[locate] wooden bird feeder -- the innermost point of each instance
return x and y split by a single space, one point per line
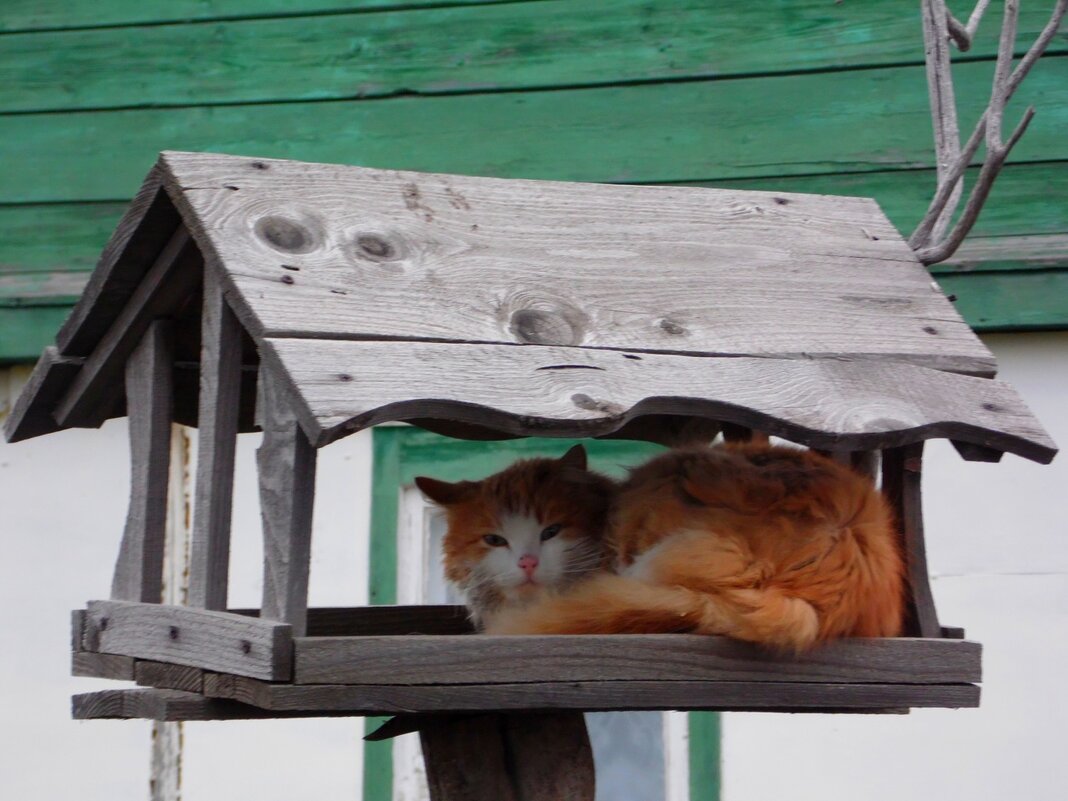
313 301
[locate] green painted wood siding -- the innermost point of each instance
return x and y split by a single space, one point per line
793 95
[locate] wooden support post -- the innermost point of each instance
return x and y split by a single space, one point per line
286 462
521 757
220 391
149 403
902 468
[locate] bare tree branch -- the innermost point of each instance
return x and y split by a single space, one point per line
928 240
962 34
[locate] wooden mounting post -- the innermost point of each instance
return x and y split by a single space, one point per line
149 404
220 395
519 757
286 462
902 470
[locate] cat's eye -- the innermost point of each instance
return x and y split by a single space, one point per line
496 540
550 531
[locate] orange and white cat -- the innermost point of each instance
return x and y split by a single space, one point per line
767 544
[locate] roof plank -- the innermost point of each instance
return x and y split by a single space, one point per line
554 391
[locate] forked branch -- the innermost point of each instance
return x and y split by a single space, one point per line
930 241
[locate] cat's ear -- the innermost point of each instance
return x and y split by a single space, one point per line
443 492
576 458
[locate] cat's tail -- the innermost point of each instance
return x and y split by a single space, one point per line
611 604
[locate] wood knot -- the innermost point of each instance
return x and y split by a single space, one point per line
542 327
246 647
173 632
344 377
782 201
286 235
374 247
585 402
992 407
258 165
673 328
930 329
103 623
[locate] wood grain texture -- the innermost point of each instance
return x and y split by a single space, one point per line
854 120
830 404
286 469
164 676
22 15
140 237
456 49
387 255
163 705
195 637
902 470
444 659
173 275
102 666
31 415
149 406
217 417
729 695
531 757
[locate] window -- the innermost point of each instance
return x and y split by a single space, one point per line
406 537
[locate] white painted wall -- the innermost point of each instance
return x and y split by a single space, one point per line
62 507
998 547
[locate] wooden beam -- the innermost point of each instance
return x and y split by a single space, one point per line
220 395
164 676
198 638
164 705
286 462
445 659
166 284
565 391
529 757
31 415
102 666
404 699
902 468
149 406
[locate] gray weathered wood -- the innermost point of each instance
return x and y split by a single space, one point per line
530 757
902 469
165 705
396 255
220 393
347 386
138 239
390 699
286 467
199 638
164 676
444 659
102 666
149 406
166 284
31 415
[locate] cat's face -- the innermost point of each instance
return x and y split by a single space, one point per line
536 525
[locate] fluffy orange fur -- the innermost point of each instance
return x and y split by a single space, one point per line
766 544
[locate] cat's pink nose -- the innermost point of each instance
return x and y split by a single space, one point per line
528 564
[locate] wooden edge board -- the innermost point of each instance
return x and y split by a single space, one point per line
102 666
345 386
194 637
140 235
171 705
466 659
31 415
372 699
164 676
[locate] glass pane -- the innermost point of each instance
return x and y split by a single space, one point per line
628 750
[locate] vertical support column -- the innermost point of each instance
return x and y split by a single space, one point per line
220 395
902 470
286 462
518 757
149 406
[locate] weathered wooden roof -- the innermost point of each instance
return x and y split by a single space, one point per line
387 295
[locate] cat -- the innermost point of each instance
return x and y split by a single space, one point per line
536 526
764 543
